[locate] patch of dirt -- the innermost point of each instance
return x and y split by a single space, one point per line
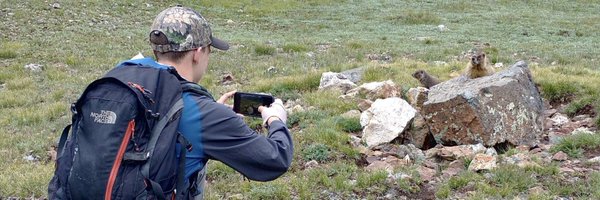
590 153
427 191
586 110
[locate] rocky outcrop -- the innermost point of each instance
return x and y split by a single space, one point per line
503 107
354 75
335 81
374 90
385 120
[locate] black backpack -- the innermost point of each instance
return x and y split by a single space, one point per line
123 138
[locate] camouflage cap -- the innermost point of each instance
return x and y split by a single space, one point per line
182 29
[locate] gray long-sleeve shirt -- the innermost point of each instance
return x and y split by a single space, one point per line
216 132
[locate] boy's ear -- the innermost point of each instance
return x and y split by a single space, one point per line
197 52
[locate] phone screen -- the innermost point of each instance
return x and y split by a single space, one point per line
248 103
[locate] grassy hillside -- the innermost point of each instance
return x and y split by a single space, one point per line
77 42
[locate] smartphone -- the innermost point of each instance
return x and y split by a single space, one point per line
247 103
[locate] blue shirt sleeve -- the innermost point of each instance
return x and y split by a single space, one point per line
226 137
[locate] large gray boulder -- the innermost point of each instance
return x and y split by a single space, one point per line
503 107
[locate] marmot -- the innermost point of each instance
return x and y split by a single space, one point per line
426 80
478 66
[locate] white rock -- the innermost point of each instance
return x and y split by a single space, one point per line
559 119
332 80
491 152
385 120
595 159
439 63
229 21
478 148
442 27
34 67
498 65
582 130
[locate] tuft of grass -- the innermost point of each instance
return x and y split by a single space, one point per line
355 45
317 151
462 179
443 192
304 119
7 54
575 145
264 50
374 180
558 90
269 190
350 125
328 101
416 17
292 48
580 104
288 87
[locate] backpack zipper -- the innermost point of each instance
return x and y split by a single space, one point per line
115 169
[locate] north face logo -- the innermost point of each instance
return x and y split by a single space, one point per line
104 117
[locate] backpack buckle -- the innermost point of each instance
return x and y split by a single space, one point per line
73 108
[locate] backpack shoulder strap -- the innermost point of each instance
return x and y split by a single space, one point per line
195 88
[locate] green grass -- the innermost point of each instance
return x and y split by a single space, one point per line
575 145
299 39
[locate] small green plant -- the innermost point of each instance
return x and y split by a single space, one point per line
558 91
270 190
575 145
264 50
7 54
462 179
318 152
416 17
291 48
355 45
510 180
580 105
372 179
350 125
443 192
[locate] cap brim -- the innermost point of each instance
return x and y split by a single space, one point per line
218 43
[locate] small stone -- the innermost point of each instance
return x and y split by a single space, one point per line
560 156
272 69
595 159
498 65
56 5
34 67
380 165
229 21
582 130
548 113
482 162
311 164
426 174
364 104
523 148
536 150
227 79
566 170
439 63
352 114
30 158
442 28
297 109
491 151
559 119
537 190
